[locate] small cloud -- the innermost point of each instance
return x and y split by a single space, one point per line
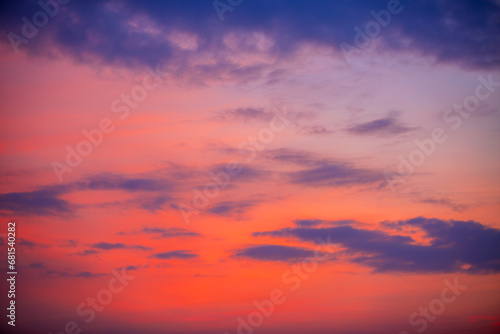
308 222
230 208
118 245
244 114
27 243
42 202
177 254
334 174
108 246
386 126
30 244
69 243
445 202
82 274
311 130
87 252
275 253
171 232
141 248
294 156
37 265
119 182
132 267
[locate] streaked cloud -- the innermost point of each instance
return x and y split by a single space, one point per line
175 254
118 245
387 126
274 253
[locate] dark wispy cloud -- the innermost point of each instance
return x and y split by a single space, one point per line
446 202
81 274
25 243
87 252
176 254
54 273
37 265
164 232
311 130
244 114
387 126
245 172
170 232
43 202
120 182
109 246
230 208
321 171
335 174
452 246
287 155
151 203
274 253
118 245
68 243
318 222
308 222
133 267
47 201
265 115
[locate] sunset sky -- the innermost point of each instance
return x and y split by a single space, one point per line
251 166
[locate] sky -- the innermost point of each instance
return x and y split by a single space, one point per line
251 166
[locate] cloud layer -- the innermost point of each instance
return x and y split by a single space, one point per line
452 246
173 33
